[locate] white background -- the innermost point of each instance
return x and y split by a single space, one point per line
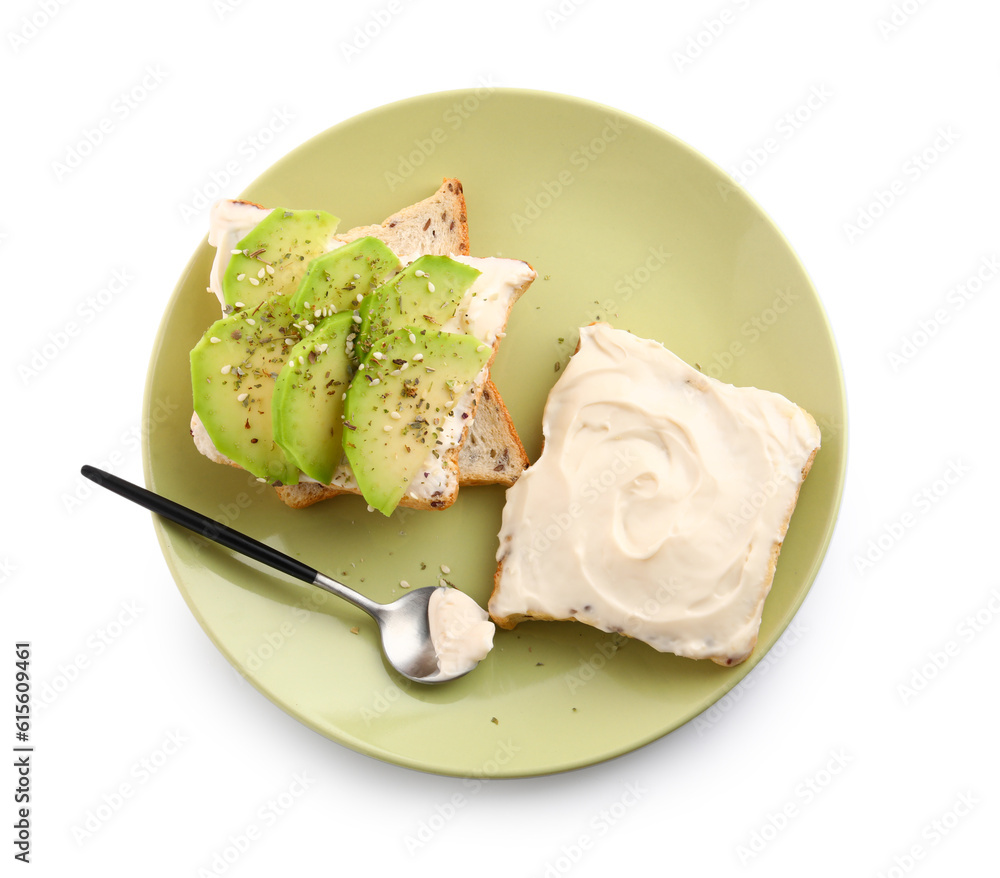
867 748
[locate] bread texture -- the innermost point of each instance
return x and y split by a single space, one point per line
659 504
492 453
438 225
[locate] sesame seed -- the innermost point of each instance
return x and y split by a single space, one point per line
323 348
483 347
215 340
376 381
289 341
413 338
430 287
225 370
242 397
371 508
394 372
240 305
318 313
445 569
234 252
357 277
251 321
302 360
418 357
241 277
260 273
395 415
356 318
359 297
420 273
270 268
378 355
310 327
254 281
387 428
442 583
403 583
261 479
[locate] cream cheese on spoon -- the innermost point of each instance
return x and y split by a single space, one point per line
461 631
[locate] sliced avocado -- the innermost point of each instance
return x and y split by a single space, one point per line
233 372
338 280
397 404
274 256
426 294
308 404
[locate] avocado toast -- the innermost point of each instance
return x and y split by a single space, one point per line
453 311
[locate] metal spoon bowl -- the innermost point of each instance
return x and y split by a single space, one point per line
404 625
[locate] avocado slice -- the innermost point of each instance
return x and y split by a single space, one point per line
308 403
233 372
426 294
340 279
397 403
274 256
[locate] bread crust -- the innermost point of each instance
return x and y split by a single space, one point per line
503 469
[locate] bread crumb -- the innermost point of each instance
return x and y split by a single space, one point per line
355 630
496 722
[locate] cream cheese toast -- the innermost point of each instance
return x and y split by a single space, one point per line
659 504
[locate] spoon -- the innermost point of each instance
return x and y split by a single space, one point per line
404 624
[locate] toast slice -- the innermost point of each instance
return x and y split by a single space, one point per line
490 452
659 504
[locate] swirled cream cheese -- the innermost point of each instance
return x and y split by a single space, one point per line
659 503
461 631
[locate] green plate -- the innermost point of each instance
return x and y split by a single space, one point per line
622 222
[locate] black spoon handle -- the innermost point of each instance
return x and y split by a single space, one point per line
201 524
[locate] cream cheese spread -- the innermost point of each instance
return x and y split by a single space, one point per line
229 222
482 313
659 503
461 631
